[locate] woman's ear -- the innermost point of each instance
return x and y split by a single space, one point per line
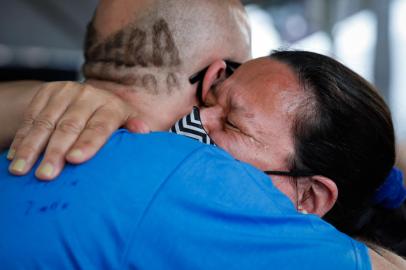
215 72
319 195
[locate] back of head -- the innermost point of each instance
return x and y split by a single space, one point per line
175 37
343 131
152 47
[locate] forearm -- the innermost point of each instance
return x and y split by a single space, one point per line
14 98
383 259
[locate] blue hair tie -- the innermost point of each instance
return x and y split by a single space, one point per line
392 193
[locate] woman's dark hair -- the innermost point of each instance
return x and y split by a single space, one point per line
344 131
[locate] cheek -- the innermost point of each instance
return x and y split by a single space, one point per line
240 147
230 142
286 186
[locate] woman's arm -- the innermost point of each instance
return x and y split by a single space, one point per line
383 259
66 119
14 99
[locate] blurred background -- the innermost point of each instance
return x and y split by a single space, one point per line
42 39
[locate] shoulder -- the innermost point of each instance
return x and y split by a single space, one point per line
212 204
383 259
213 175
124 141
112 190
128 154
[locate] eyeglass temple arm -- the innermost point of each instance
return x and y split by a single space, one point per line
290 173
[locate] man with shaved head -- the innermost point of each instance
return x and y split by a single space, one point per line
143 51
150 48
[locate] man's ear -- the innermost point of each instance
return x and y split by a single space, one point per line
215 72
319 195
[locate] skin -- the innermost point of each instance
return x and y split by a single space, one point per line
401 153
113 16
11 112
250 114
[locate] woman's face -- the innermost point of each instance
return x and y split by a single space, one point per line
250 115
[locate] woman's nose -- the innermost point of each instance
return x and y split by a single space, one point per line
212 118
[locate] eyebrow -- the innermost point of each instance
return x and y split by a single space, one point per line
247 118
236 104
240 108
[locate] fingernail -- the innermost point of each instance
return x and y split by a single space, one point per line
75 154
11 153
46 170
143 130
18 165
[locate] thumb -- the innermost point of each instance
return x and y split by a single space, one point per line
136 125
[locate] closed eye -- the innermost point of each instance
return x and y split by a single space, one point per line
231 125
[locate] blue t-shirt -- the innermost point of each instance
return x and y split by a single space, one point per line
161 201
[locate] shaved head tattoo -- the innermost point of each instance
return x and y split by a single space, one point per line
132 47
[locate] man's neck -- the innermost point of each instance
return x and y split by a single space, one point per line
159 110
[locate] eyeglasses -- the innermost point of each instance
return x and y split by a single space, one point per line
199 76
293 173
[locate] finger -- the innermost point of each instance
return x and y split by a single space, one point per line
35 107
35 138
99 128
37 134
66 133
